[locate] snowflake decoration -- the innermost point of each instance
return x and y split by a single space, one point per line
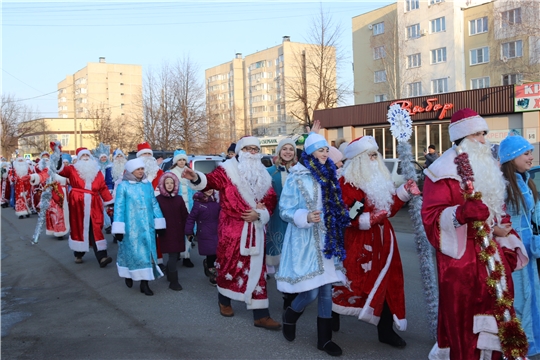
400 123
246 272
258 290
240 264
228 277
240 282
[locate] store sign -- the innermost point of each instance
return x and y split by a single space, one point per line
269 142
28 156
527 97
496 136
432 105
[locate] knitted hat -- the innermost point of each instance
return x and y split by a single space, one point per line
283 142
134 164
314 142
82 151
232 148
247 141
466 122
335 155
179 154
513 146
144 148
66 157
118 152
360 145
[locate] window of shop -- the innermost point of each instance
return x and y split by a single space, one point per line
480 83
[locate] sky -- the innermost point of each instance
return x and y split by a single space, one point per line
42 42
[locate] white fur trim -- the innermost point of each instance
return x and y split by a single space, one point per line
485 323
401 324
83 152
24 212
346 310
233 295
247 141
512 242
488 341
145 151
118 227
465 127
101 244
403 194
444 167
366 314
265 216
78 246
160 223
138 274
178 157
437 353
453 241
34 179
363 221
202 184
231 169
355 148
300 219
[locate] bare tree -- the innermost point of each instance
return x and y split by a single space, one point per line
14 123
314 83
114 132
36 137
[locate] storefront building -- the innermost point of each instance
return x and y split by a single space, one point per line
502 107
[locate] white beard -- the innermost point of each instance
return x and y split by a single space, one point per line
253 175
43 163
488 177
117 169
373 178
21 168
150 167
87 169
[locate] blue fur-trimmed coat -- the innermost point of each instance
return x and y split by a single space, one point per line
303 266
136 215
526 281
277 226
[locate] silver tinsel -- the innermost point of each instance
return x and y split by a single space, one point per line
46 195
423 247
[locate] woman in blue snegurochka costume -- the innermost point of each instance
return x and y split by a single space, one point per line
523 205
313 252
180 159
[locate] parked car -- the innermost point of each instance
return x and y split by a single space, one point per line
202 163
267 160
394 167
535 176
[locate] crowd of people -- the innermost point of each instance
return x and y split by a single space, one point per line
318 220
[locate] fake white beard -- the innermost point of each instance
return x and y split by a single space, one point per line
150 167
117 169
43 163
21 168
253 175
373 178
488 177
87 169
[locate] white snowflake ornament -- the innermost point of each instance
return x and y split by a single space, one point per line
400 123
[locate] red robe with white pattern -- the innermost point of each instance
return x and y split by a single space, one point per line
373 266
86 201
240 260
23 192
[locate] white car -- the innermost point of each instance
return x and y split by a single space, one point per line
394 167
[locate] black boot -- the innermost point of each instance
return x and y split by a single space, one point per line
335 321
174 284
145 288
288 299
324 337
385 329
129 282
290 317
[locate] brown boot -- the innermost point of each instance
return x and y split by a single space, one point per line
226 310
267 323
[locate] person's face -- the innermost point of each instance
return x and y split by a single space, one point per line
103 158
524 162
181 163
479 136
159 160
251 149
373 156
231 154
146 155
431 151
287 152
85 157
138 173
209 192
119 156
321 154
66 163
169 184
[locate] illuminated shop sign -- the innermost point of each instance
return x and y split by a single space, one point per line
432 105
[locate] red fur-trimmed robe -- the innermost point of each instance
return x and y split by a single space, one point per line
467 329
85 203
6 188
23 191
240 260
373 266
57 215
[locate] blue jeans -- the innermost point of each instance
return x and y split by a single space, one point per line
324 293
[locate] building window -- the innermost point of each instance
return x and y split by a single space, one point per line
431 2
511 17
379 53
379 98
512 49
413 5
378 28
415 89
438 55
480 83
414 60
63 99
65 140
511 79
439 86
479 56
438 25
478 26
380 76
413 31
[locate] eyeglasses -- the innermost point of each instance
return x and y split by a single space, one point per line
251 149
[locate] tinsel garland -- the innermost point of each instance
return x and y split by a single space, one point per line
46 195
511 335
336 216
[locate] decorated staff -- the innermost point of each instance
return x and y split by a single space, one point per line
401 129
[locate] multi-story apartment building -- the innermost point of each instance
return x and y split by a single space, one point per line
258 94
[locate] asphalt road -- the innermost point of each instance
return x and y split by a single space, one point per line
52 308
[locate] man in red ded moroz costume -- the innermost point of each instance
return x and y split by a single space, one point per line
375 293
247 201
475 282
86 199
20 180
151 167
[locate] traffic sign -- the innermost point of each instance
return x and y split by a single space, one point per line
28 156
